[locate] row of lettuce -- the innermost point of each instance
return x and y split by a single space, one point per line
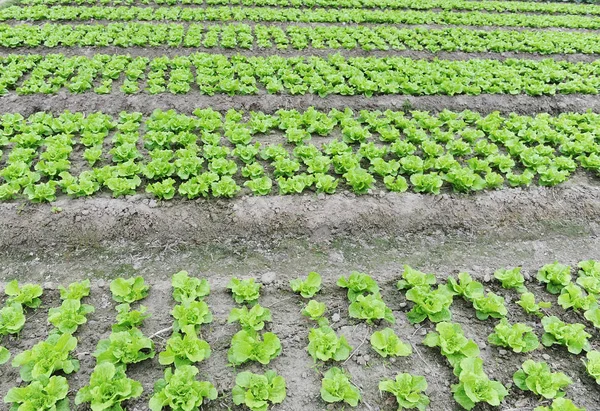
210 74
262 37
447 5
210 154
43 366
313 15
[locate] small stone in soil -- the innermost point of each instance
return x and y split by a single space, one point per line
268 278
402 305
503 352
487 278
545 357
335 317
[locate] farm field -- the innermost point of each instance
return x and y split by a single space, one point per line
299 205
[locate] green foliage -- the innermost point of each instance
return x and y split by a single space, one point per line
45 394
371 307
109 387
248 345
519 337
358 284
409 391
359 179
190 316
128 318
309 287
128 290
489 305
324 345
529 305
47 357
4 355
315 311
12 319
555 275
537 378
593 314
511 279
386 343
413 278
250 319
475 387
184 350
257 391
187 289
244 291
572 296
453 344
124 347
27 295
429 304
75 291
465 286
180 391
336 387
572 336
560 404
592 366
69 316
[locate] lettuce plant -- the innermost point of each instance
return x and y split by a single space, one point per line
257 391
244 291
593 314
315 311
429 303
309 287
519 337
12 319
572 336
413 278
336 387
69 316
589 268
250 319
260 185
370 307
324 345
572 296
465 286
475 387
75 291
592 366
180 390
44 394
358 284
128 290
489 305
184 350
109 387
124 347
409 391
248 345
511 279
4 355
529 305
190 316
127 318
27 294
555 275
537 378
453 344
560 404
359 179
386 343
47 357
188 289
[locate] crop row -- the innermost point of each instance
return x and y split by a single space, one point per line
467 5
41 366
467 151
244 36
317 15
213 73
